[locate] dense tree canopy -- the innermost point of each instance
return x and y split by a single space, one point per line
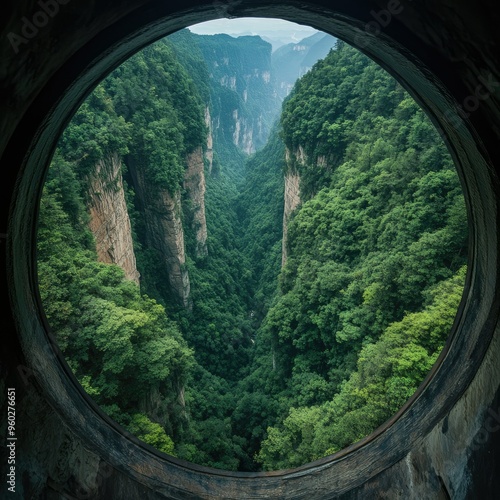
119 343
381 224
269 366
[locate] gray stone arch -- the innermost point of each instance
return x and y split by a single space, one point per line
442 444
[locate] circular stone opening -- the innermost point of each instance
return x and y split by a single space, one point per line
251 258
445 385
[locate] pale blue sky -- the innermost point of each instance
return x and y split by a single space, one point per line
253 24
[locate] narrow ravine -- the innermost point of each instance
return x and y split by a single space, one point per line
244 283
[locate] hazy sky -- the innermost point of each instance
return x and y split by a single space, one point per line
252 24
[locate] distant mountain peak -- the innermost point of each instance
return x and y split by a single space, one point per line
294 59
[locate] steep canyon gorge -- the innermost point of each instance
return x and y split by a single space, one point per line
249 248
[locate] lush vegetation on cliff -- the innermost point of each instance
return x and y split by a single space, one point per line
267 366
382 218
119 343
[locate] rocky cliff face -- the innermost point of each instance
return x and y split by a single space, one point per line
245 100
161 212
242 133
296 161
109 219
194 184
292 200
209 152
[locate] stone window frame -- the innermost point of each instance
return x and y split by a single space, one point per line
451 375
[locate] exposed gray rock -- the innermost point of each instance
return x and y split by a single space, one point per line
292 201
194 183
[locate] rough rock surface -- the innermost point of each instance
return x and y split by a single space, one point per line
194 184
109 219
162 214
243 133
446 445
209 153
292 201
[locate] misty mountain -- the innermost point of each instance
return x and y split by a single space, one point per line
293 60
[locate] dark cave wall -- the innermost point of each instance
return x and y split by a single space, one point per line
60 454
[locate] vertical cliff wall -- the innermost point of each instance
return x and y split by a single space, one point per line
244 99
297 161
161 212
291 202
209 152
242 133
109 218
194 184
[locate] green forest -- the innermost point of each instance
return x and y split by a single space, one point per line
261 334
